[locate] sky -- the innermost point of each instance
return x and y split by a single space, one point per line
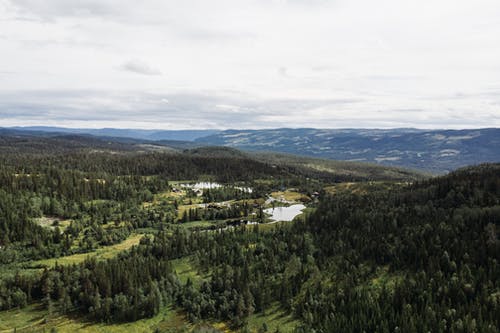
197 64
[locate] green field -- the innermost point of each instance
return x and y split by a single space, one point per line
185 269
36 319
104 252
275 318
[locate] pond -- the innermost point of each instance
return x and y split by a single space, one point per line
285 214
202 185
211 185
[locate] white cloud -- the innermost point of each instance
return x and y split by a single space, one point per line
339 63
139 67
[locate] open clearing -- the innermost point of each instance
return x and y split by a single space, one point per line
291 196
35 319
275 318
105 252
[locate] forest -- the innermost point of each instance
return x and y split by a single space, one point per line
411 254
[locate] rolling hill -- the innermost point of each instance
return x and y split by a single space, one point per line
14 143
436 151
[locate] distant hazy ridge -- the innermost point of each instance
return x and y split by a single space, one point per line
437 151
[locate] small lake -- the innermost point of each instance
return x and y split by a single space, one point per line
202 185
210 185
285 214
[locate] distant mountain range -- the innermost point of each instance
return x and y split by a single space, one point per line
153 135
14 144
436 151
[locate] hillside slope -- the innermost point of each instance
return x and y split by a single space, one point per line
437 151
48 144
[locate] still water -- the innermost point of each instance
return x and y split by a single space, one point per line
284 213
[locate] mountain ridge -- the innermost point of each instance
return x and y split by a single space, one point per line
436 151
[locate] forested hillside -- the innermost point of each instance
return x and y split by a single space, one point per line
422 258
119 236
436 151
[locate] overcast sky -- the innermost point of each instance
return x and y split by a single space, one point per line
250 63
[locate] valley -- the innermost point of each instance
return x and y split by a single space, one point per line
212 239
252 166
95 225
431 151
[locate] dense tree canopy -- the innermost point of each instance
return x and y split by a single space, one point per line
396 258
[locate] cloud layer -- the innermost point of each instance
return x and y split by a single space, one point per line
250 63
139 67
